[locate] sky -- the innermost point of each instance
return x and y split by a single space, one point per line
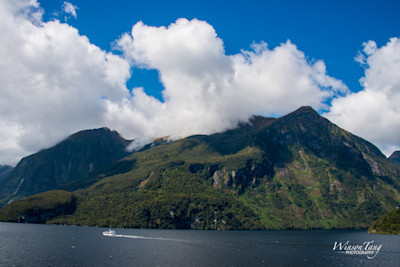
176 68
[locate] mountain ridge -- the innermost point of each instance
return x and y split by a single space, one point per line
298 171
76 156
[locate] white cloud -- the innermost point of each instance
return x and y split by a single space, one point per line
69 9
374 112
208 91
55 82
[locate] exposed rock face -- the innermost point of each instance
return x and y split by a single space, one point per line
219 178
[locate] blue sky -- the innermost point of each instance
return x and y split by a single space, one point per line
176 68
329 30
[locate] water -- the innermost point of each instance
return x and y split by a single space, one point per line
52 245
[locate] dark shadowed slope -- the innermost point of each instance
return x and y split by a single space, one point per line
78 155
395 158
5 170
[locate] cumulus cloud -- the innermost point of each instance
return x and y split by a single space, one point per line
207 90
55 82
374 112
69 9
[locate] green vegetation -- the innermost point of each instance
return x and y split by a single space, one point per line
296 172
149 209
176 192
40 208
387 224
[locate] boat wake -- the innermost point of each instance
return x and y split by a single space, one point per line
147 238
111 233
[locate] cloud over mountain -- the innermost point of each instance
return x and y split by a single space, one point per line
207 90
55 82
374 112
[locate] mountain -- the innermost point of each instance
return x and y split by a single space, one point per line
5 170
78 155
395 158
299 171
387 224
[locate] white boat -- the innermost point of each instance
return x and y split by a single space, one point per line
109 232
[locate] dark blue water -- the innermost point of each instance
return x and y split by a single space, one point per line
51 245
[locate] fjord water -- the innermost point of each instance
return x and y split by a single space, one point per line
52 245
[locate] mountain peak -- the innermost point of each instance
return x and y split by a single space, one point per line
93 131
305 115
103 133
395 158
305 110
69 160
395 155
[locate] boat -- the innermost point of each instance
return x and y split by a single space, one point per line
109 232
